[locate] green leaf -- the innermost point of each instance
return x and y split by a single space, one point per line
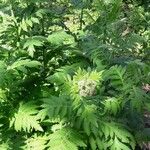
29 22
35 20
26 118
55 107
5 146
87 114
137 98
2 73
117 76
3 96
23 64
23 25
93 143
118 135
117 145
66 139
59 37
36 142
32 42
112 105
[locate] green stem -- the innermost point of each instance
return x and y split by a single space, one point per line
81 19
44 49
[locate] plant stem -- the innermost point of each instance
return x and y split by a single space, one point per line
81 19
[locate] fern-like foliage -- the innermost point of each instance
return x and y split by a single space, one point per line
22 65
112 105
32 42
116 75
55 107
36 142
138 98
25 119
87 119
83 66
66 139
60 37
5 146
117 136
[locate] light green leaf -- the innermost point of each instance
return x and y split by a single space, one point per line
35 20
93 143
26 118
23 64
66 139
36 142
59 37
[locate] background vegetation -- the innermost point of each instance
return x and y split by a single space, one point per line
74 74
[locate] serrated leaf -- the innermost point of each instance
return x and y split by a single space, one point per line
55 107
26 118
36 142
93 143
59 37
66 139
24 25
117 145
23 64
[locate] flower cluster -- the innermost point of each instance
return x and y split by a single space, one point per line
87 87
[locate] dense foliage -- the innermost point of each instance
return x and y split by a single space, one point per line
74 74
